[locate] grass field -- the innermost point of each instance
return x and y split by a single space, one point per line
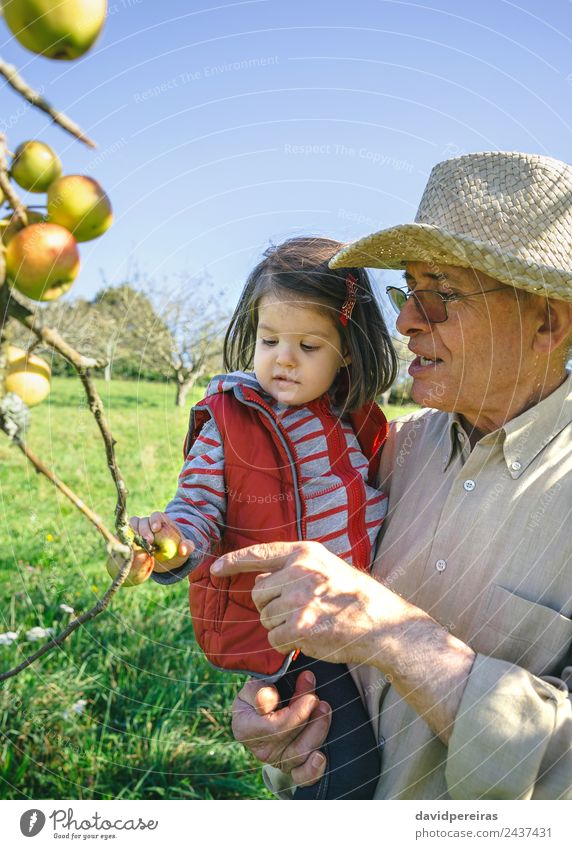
127 708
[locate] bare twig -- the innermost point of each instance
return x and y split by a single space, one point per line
94 611
19 209
33 97
11 307
69 493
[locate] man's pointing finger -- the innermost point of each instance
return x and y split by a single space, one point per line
264 557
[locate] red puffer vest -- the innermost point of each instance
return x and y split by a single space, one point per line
264 504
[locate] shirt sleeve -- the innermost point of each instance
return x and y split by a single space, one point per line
199 505
512 737
278 782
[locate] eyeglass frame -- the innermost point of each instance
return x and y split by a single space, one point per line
445 298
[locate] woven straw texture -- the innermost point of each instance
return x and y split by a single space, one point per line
506 214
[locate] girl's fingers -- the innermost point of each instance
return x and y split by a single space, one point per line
145 530
157 520
186 547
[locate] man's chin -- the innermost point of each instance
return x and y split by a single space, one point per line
432 395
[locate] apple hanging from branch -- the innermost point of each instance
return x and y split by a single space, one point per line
35 166
79 204
27 375
42 261
56 29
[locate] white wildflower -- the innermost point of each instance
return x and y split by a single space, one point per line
77 707
38 633
66 608
8 638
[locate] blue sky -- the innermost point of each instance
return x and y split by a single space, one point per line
221 127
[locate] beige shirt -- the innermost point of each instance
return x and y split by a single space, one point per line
482 540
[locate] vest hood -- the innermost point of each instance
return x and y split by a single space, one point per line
228 382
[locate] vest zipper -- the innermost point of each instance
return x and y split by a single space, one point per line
298 498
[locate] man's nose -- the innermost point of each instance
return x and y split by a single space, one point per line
412 319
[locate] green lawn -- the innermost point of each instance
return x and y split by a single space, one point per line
151 717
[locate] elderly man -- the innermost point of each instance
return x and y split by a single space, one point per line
460 641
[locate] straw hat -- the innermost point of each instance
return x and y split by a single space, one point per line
506 214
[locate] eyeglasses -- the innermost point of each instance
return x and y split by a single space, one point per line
431 304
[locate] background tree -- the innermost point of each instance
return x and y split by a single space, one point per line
185 343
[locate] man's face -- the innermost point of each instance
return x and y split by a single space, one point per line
471 363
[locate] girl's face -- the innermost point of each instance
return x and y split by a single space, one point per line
298 350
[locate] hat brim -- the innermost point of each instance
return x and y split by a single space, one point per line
394 247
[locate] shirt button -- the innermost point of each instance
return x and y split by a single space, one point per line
441 565
469 485
516 466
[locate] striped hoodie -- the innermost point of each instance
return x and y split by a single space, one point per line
332 473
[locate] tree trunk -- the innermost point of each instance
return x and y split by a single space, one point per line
182 390
184 385
109 352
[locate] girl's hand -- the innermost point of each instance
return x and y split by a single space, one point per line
171 549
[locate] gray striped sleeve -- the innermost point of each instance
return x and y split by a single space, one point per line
199 505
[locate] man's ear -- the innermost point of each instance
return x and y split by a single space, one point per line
555 326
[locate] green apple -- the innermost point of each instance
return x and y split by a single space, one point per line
10 225
35 166
140 569
27 375
79 204
42 261
57 29
165 545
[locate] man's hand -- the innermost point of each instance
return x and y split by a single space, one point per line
311 600
288 737
160 531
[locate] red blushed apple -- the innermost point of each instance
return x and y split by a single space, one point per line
140 569
42 261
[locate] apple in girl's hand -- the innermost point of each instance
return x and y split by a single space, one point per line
166 544
140 570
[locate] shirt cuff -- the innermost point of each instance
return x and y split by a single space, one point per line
502 729
278 782
175 575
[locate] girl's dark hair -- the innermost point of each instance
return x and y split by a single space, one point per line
298 268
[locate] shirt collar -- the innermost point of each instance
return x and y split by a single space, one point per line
456 440
529 433
523 437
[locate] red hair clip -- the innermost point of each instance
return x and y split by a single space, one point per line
350 301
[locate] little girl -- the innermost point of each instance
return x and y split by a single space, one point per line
287 451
